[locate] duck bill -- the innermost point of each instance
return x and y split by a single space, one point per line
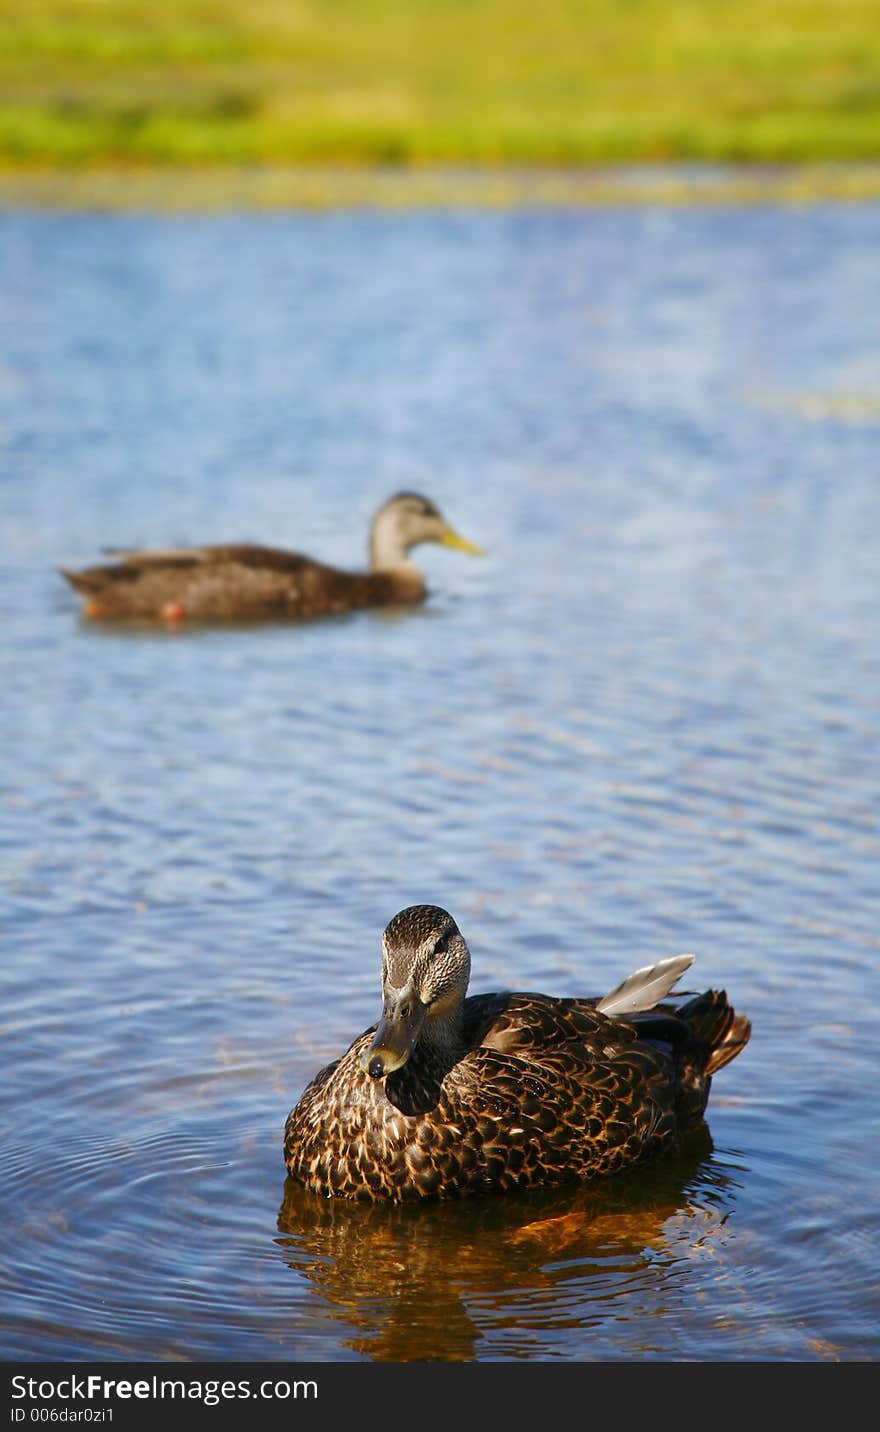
395 1039
450 538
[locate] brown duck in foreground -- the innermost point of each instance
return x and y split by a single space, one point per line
240 582
451 1095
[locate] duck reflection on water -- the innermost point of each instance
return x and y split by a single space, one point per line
419 1282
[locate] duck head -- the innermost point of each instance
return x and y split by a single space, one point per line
425 971
404 521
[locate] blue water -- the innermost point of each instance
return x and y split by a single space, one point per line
647 721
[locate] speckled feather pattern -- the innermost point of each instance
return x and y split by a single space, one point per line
548 1091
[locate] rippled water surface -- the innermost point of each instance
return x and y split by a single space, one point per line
647 721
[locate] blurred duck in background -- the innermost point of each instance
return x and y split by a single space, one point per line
243 582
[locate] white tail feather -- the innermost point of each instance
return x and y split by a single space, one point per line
646 987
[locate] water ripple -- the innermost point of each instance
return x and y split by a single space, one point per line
646 722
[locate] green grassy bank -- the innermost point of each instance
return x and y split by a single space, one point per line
92 83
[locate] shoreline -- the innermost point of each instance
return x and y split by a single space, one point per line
326 188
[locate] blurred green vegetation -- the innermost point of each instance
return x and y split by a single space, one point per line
231 82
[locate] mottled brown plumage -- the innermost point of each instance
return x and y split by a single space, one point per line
451 1095
240 582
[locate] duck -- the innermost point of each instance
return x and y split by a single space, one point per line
241 581
451 1094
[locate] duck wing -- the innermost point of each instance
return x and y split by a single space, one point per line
241 554
532 1025
530 1022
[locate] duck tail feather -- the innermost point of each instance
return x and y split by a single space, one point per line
716 1023
736 1039
83 582
645 988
